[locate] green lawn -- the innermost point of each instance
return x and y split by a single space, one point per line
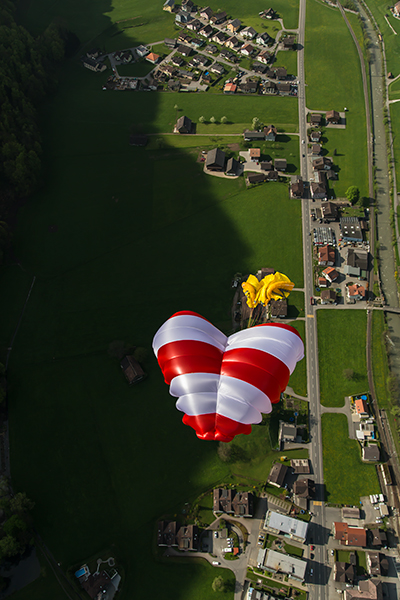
287 59
341 345
379 8
395 117
139 69
340 453
329 43
298 379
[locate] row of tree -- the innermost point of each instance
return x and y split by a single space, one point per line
27 65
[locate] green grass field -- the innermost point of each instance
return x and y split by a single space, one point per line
379 359
287 59
341 345
119 238
395 117
380 9
329 43
338 453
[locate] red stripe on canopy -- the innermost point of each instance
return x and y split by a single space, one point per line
188 356
215 427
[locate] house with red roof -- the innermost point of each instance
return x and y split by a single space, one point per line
330 274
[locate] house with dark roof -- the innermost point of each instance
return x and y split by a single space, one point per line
233 43
330 211
215 160
166 533
371 453
304 488
184 125
194 25
207 31
280 164
217 68
222 500
251 136
234 25
270 87
377 564
378 538
315 136
280 73
289 42
132 370
227 55
318 190
297 189
249 33
259 68
242 504
328 297
272 176
277 474
368 589
218 18
219 38
249 87
267 14
169 5
266 165
264 57
170 42
187 538
206 13
247 50
358 258
182 18
253 178
93 65
232 166
344 573
278 308
263 39
322 163
315 119
283 88
332 116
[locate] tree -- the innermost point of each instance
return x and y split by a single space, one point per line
224 120
212 119
201 119
218 585
348 374
364 201
353 194
8 546
256 123
20 503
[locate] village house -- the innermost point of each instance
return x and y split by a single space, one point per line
332 116
270 133
297 189
349 536
234 26
304 488
247 50
316 149
328 297
132 370
182 18
266 165
280 73
171 534
316 119
230 88
219 38
330 211
290 527
215 160
233 43
254 178
278 308
277 475
177 60
283 88
218 18
153 58
264 57
184 50
330 274
197 43
280 164
263 39
300 465
249 33
318 190
371 453
344 572
315 136
188 6
272 176
194 25
322 162
251 136
259 68
232 167
248 87
326 255
207 31
377 564
355 292
170 42
285 565
368 589
289 42
183 125
255 154
358 258
217 69
206 13
169 5
142 51
94 65
227 55
267 14
361 407
270 88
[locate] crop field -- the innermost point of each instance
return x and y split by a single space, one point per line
361 479
328 43
337 351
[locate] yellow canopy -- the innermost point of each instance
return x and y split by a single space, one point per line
272 287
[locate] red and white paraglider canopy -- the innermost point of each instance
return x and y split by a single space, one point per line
223 384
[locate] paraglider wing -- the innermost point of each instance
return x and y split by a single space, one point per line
271 287
224 384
